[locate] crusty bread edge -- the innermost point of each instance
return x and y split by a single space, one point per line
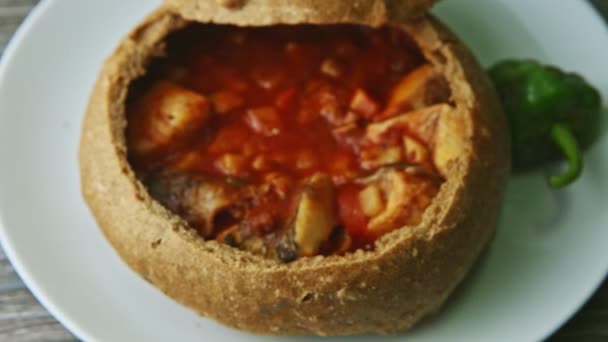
407 277
270 12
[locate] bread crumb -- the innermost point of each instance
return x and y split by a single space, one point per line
344 295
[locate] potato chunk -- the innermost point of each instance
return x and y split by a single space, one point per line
316 215
166 115
410 90
363 104
371 201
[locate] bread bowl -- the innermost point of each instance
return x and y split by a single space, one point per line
402 276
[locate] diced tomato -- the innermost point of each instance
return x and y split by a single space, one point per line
229 139
286 99
364 104
342 167
306 116
331 102
226 101
236 84
264 120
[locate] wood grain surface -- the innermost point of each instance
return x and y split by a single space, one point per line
22 318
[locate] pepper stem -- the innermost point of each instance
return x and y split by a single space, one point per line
563 137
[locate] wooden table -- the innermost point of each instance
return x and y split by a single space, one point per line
22 318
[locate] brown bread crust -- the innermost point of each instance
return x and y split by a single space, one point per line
408 276
269 12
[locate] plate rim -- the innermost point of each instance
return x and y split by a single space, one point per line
9 53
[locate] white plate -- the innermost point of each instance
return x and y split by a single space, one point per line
548 257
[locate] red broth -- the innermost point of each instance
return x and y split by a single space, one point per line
274 105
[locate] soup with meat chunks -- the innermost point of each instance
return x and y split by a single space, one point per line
289 141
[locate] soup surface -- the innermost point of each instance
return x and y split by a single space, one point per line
289 141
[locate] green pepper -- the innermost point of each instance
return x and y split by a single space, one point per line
553 115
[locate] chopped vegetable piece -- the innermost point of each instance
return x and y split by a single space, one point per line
232 164
381 157
315 215
371 201
166 115
264 120
261 163
390 156
226 101
328 100
330 67
363 104
286 99
409 91
306 160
